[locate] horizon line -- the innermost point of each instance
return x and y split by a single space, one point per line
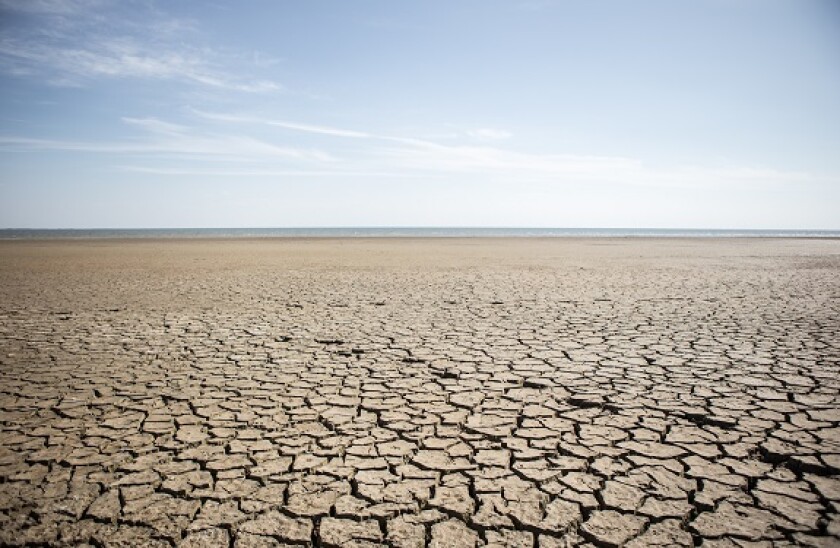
419 227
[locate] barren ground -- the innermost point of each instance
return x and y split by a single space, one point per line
511 392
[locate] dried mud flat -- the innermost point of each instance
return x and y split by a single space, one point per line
420 392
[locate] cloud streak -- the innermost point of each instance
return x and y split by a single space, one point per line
172 140
73 43
50 7
307 128
422 156
193 172
210 152
489 134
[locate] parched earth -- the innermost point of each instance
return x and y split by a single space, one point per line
418 393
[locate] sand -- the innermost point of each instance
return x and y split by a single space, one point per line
410 392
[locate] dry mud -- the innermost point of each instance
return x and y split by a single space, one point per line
420 393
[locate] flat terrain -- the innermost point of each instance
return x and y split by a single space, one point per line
511 392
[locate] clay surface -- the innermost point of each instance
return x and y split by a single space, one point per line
451 392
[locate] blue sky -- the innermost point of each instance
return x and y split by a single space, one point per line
707 114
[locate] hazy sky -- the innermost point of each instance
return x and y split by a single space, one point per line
672 113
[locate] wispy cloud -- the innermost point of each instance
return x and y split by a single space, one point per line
172 140
50 7
422 156
313 128
489 134
263 172
71 43
425 155
308 128
155 125
225 148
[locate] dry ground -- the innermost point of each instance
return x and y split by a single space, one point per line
518 392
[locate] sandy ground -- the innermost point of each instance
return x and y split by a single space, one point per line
511 392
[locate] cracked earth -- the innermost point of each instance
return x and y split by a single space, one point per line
416 393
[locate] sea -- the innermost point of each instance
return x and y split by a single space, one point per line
403 232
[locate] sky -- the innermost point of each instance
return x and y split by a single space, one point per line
534 113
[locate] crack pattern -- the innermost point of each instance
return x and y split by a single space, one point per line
684 395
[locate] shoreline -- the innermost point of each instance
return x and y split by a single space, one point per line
216 238
407 233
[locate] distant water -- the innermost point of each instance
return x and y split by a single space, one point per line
392 232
